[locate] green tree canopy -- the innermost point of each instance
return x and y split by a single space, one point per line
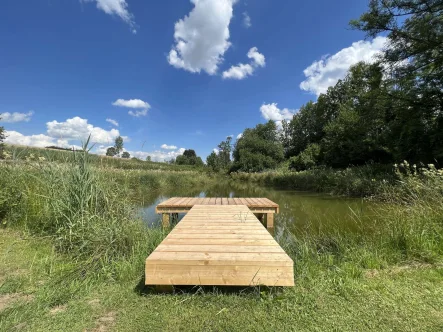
126 155
118 145
111 152
258 149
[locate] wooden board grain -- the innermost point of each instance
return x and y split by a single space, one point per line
219 244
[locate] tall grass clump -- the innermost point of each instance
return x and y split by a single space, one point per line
86 214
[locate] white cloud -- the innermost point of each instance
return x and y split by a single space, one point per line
132 103
239 135
272 112
138 113
241 71
79 129
169 147
139 104
322 74
40 141
202 37
216 151
113 122
246 20
16 117
155 155
14 137
118 8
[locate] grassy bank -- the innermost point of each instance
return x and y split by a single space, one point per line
72 255
362 181
25 153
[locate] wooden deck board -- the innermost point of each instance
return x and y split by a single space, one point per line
184 204
220 244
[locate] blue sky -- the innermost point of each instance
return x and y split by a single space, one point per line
177 74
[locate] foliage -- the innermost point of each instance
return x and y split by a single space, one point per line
258 149
414 62
307 159
2 137
126 155
189 153
221 160
213 162
148 158
224 152
189 157
118 145
111 152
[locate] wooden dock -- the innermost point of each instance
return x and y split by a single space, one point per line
219 245
263 208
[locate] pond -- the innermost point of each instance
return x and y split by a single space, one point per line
300 212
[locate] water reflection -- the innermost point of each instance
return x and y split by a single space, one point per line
300 212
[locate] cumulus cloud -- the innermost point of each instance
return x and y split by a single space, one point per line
216 151
131 103
246 20
141 106
241 71
39 141
79 129
272 112
168 147
239 135
118 8
16 117
202 37
155 155
322 74
138 113
113 122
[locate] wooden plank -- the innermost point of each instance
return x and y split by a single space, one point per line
223 241
239 258
221 244
212 248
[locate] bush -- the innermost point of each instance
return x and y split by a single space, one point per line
305 160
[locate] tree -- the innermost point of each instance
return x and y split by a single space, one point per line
213 161
2 137
258 149
190 153
224 153
118 145
148 158
414 63
126 155
111 152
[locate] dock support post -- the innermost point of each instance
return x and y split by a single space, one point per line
165 220
269 220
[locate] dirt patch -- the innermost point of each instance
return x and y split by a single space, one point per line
94 303
7 300
106 322
58 309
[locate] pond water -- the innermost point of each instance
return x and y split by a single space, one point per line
300 212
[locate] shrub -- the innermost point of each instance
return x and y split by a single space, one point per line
305 160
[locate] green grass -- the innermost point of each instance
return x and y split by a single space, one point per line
23 153
72 258
397 298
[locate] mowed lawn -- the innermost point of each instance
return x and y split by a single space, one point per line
38 294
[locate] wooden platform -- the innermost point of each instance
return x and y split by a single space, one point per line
219 245
263 208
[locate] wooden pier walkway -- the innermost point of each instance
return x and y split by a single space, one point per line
219 245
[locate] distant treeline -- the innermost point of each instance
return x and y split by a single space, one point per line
383 112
